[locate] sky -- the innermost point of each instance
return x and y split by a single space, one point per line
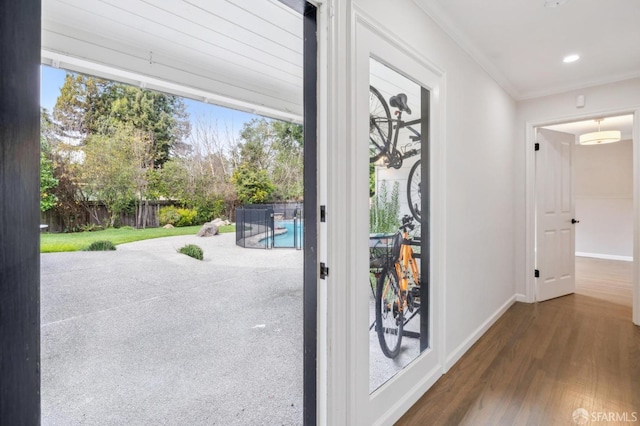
52 80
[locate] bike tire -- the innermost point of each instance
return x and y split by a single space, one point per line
389 319
380 125
414 193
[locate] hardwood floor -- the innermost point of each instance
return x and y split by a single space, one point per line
605 279
538 364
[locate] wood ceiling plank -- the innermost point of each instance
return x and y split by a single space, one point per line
159 34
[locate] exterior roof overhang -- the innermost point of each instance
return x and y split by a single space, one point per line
242 55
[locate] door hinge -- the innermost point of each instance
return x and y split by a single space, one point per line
536 273
324 271
323 213
537 147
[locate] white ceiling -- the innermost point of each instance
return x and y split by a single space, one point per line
521 43
241 54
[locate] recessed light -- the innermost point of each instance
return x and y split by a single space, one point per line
570 58
554 3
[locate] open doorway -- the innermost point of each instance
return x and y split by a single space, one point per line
601 174
302 325
603 198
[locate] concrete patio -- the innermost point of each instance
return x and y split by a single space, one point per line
145 335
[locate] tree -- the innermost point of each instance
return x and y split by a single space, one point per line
87 105
158 114
200 176
253 186
277 148
288 166
80 105
255 150
110 168
47 180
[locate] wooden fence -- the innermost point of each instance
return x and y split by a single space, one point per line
96 213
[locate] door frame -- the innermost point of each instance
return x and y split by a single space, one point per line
530 197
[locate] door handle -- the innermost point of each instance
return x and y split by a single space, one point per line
575 221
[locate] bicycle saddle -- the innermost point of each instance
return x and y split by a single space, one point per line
400 101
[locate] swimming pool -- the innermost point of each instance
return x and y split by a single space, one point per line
292 238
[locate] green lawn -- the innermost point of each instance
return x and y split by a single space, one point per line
51 243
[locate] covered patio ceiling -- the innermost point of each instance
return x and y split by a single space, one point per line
238 54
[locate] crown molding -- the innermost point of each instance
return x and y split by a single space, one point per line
579 86
433 9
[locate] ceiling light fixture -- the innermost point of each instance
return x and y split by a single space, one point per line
570 58
600 137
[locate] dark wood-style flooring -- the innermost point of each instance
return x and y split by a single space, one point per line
538 364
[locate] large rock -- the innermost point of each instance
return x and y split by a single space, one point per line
209 229
219 222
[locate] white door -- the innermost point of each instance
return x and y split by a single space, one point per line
555 227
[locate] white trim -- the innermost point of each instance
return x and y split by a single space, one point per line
609 79
521 298
442 19
477 334
530 283
605 256
402 405
339 98
636 217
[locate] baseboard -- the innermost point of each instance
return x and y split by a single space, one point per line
521 298
416 392
605 256
464 346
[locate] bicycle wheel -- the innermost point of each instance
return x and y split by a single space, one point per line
414 195
379 125
389 316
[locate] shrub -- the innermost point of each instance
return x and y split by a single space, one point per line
169 215
192 250
101 246
384 212
90 227
187 216
177 217
209 211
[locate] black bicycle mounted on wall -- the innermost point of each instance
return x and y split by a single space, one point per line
383 141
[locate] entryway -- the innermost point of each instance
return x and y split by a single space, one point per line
583 207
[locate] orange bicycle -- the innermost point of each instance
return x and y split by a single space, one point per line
398 290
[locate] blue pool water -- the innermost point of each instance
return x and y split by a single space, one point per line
287 239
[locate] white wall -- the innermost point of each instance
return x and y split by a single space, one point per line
621 96
603 181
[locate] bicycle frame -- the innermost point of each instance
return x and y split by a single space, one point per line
389 149
406 268
393 155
